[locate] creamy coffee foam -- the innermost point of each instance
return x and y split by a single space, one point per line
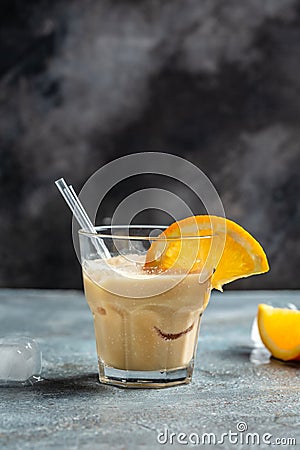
130 267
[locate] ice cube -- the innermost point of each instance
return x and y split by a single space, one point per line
20 358
260 355
255 336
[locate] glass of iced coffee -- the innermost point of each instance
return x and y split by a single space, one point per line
146 321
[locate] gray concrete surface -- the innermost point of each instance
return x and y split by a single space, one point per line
69 409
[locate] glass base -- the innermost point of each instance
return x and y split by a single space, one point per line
145 378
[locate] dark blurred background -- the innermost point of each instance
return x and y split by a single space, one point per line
84 82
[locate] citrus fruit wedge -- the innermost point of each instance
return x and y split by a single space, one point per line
279 329
224 247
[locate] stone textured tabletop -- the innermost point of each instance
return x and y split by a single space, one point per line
69 409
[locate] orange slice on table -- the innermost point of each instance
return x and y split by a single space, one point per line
228 248
279 329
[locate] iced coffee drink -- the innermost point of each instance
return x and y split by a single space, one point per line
143 330
146 323
147 294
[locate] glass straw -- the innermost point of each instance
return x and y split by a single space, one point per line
81 215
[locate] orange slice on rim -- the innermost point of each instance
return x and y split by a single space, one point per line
279 329
224 246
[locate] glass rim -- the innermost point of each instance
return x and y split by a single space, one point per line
129 236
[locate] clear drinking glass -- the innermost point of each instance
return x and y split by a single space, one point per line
146 324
